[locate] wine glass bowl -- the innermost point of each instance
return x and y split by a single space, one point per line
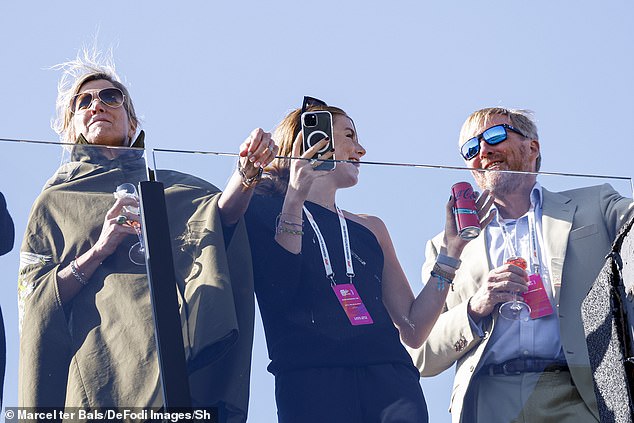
137 251
516 309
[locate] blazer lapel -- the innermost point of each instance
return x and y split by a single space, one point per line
557 214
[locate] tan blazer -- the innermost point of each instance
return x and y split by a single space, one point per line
578 229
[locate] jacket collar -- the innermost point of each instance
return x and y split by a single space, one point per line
139 142
82 151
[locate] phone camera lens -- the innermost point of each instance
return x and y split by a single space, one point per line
310 119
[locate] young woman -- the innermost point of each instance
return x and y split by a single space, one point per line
334 299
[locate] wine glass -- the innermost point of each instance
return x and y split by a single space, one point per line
137 251
516 309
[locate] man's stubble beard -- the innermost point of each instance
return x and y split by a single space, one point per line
501 184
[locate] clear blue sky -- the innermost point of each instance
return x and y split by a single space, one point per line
203 74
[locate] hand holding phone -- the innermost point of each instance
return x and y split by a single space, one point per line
315 127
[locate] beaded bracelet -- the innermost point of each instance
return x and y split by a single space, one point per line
280 229
80 276
448 261
247 183
280 220
443 277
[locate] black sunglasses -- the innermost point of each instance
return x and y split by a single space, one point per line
492 136
311 102
307 104
111 97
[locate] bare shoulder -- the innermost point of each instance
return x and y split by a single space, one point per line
373 223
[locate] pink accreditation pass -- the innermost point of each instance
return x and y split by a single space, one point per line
352 304
537 298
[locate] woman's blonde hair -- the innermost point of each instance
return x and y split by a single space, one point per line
275 179
89 65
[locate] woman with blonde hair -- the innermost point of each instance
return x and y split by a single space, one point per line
87 328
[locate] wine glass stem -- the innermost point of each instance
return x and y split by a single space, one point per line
138 233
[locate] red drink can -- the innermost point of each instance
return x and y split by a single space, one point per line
465 211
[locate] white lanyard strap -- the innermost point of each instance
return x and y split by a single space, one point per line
345 238
535 264
510 248
532 227
324 250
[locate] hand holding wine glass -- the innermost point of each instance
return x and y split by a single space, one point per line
516 309
137 251
500 286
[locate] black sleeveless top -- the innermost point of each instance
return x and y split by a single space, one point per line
305 326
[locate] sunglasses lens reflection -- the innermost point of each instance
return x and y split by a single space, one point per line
470 148
494 135
82 101
112 97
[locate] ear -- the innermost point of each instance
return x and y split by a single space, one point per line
535 151
131 133
132 130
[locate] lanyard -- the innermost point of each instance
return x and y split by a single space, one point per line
532 227
532 239
330 274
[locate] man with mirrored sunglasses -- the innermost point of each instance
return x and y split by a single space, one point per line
535 368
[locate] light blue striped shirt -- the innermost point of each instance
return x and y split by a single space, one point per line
513 339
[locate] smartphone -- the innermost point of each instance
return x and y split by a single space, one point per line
315 127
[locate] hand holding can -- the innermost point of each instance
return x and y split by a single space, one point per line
465 210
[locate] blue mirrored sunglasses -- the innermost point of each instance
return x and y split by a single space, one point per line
492 136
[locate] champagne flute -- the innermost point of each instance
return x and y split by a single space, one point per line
137 251
516 309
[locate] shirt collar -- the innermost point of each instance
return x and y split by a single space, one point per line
536 198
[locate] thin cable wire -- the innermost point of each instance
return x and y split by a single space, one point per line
397 164
392 164
64 144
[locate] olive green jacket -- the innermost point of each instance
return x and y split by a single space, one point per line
99 350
